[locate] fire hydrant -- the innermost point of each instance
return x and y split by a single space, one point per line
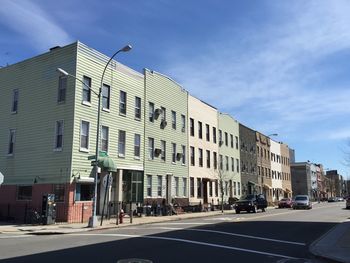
121 215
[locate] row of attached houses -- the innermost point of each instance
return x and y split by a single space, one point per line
166 144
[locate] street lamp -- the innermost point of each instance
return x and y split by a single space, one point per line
93 218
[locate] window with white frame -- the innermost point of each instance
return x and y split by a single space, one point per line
106 91
62 87
151 111
150 148
122 102
173 154
208 158
149 185
237 165
214 134
163 150
234 188
14 107
227 164
104 138
184 186
183 123
231 139
220 162
173 119
163 114
84 135
12 139
220 138
121 143
159 185
137 146
183 154
137 108
199 187
236 142
176 186
226 139
191 127
215 157
86 89
59 135
200 131
200 157
191 187
207 132
192 155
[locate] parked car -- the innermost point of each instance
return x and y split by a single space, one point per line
285 202
302 201
347 204
331 199
251 203
340 199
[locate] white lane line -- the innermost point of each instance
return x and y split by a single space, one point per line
182 223
226 233
191 242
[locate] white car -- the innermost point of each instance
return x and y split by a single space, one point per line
302 201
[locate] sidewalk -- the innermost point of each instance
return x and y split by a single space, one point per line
335 244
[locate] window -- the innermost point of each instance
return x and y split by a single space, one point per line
239 188
220 162
173 120
121 143
84 135
237 165
210 188
59 135
207 132
12 139
208 159
215 157
220 138
24 192
62 87
192 156
216 188
231 137
149 185
200 136
106 97
84 192
104 138
199 187
151 111
160 184
137 146
122 103
226 139
163 114
232 164
137 108
226 162
191 127
234 188
176 186
59 191
236 142
183 123
150 148
200 157
173 154
163 149
192 187
184 186
226 187
183 154
214 134
86 89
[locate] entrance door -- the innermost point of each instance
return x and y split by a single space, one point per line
168 187
205 191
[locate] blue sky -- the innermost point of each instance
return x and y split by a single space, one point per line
277 66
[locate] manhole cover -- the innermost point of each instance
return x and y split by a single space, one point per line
134 260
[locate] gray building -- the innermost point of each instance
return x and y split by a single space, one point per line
301 178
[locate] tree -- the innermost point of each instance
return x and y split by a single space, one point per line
222 177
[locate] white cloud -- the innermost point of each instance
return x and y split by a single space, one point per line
33 24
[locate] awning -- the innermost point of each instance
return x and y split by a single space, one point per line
84 180
106 163
251 182
267 186
287 190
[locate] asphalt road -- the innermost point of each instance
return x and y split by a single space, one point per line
279 235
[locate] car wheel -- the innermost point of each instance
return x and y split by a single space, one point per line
237 211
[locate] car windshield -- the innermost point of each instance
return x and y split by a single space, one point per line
301 198
248 197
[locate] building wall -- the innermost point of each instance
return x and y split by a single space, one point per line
276 170
249 174
230 149
200 111
164 92
264 164
286 175
301 178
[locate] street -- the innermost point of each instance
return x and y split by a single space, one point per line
279 235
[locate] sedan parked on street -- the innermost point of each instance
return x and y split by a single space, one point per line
302 201
285 202
347 205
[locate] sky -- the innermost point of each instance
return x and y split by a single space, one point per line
276 66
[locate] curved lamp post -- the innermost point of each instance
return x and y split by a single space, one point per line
93 218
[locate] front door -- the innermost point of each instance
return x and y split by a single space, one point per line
168 187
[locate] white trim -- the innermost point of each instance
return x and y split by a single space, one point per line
86 103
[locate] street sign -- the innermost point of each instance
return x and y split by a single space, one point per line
1 178
92 157
106 178
100 154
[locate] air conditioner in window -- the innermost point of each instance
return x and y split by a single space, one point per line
178 156
221 143
158 112
163 123
157 151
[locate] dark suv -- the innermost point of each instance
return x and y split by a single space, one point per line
251 203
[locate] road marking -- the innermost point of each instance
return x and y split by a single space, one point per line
226 233
182 223
17 236
191 242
